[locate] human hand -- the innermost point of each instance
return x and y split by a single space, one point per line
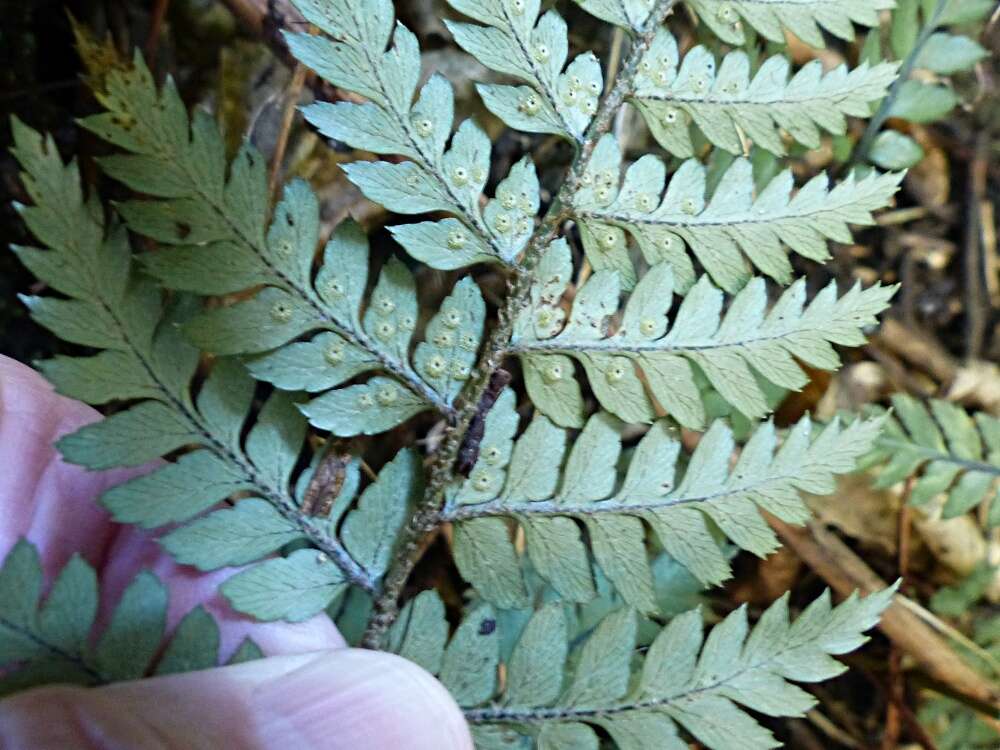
310 692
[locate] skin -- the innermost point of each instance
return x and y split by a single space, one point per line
311 691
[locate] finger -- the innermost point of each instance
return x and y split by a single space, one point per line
41 497
347 699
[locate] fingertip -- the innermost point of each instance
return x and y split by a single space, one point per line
333 700
354 698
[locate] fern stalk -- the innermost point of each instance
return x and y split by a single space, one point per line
428 518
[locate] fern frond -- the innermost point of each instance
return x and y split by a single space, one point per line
50 641
399 120
225 246
726 104
146 361
803 18
947 450
719 230
733 348
553 496
560 687
515 42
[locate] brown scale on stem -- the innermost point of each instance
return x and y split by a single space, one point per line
468 453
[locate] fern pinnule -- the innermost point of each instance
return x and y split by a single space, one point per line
731 348
727 105
734 224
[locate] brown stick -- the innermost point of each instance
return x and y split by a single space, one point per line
976 303
155 26
287 116
919 348
897 685
840 567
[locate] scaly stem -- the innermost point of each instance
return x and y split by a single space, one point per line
427 517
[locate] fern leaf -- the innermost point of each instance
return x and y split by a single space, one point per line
398 119
672 94
949 451
720 230
50 641
513 41
732 349
522 481
223 246
803 18
560 687
223 455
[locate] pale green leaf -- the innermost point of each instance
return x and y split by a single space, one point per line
370 531
922 102
194 644
727 104
421 631
375 406
135 631
893 150
129 438
486 558
292 588
469 666
535 670
949 53
248 531
447 356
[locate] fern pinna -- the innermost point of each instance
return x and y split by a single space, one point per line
634 291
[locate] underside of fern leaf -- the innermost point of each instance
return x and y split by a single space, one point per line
398 119
555 488
561 686
728 105
226 247
722 231
803 18
649 361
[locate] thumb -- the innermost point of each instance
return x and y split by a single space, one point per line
346 699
